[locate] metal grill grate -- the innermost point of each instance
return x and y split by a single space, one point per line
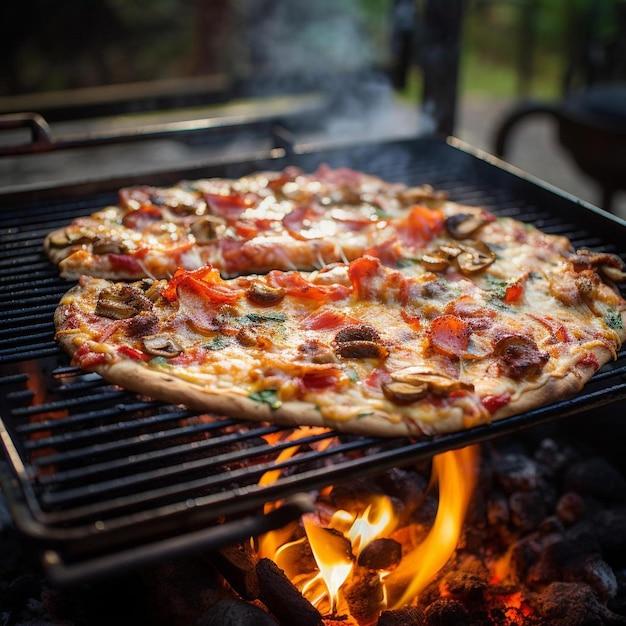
104 477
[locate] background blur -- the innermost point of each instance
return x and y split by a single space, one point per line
192 59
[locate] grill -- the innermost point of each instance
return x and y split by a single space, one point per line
102 478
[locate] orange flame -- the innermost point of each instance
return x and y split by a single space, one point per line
456 472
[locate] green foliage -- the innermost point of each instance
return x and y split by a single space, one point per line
266 396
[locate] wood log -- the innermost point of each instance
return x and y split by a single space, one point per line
364 595
232 612
237 564
380 554
282 597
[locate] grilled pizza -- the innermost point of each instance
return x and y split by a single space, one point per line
267 221
491 318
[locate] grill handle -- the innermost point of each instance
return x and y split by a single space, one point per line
211 538
40 135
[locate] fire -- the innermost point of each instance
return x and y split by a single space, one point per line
456 474
336 540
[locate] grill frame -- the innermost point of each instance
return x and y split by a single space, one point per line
74 550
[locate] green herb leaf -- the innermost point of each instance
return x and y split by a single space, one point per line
219 342
496 286
613 319
266 396
352 375
362 415
264 317
380 213
158 361
407 262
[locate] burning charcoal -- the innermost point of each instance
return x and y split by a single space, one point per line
553 457
597 478
527 510
516 472
550 525
231 612
463 586
282 597
609 528
380 554
237 565
364 595
572 604
355 495
524 554
497 510
427 511
599 575
445 612
570 508
407 487
408 616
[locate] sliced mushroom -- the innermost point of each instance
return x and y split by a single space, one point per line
142 324
246 337
264 295
451 250
520 356
162 345
358 332
475 258
64 238
463 225
435 381
435 261
421 194
361 350
121 302
107 245
207 229
404 393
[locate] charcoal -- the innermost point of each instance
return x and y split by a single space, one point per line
355 495
364 595
427 511
232 612
609 528
524 554
445 612
380 554
599 575
406 487
282 597
572 604
570 508
408 616
497 510
527 509
553 457
515 472
465 586
598 478
551 525
237 564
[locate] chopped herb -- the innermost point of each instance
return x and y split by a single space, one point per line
266 396
613 319
263 317
352 375
381 213
158 361
496 287
366 414
407 262
219 342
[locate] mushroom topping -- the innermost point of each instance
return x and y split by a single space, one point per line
436 261
206 229
316 352
121 302
403 393
613 273
142 324
358 332
264 295
162 345
64 238
106 245
463 225
246 337
361 350
609 265
520 356
421 194
475 258
435 381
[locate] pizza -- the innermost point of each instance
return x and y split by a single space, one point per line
267 221
452 319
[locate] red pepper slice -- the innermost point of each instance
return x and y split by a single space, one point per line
413 321
420 225
494 402
205 283
86 359
132 353
514 293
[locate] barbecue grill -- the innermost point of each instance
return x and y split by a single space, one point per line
102 479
